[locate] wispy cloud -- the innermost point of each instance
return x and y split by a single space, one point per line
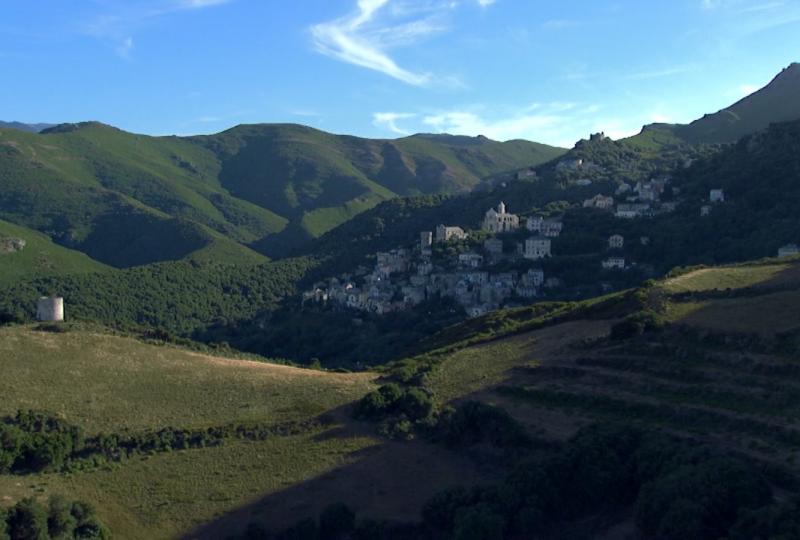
659 73
388 120
367 35
121 19
363 40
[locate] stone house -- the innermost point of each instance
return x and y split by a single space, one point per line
499 221
470 260
552 227
614 263
616 241
493 246
445 233
599 201
537 247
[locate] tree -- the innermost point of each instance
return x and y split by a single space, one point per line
478 522
336 521
27 520
60 521
4 525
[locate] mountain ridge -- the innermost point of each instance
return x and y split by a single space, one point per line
778 101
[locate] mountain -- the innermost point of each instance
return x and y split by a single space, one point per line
779 101
127 199
31 128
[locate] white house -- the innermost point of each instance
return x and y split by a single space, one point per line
537 247
705 210
425 240
533 277
499 221
551 227
599 201
630 211
534 224
471 260
616 241
788 250
493 246
614 263
445 234
716 196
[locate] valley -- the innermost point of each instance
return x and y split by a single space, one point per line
276 332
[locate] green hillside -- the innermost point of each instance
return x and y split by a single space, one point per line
649 397
128 200
778 102
39 256
319 180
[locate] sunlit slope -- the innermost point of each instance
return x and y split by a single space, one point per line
112 384
38 256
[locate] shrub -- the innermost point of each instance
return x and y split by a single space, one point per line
27 520
336 521
707 498
478 522
475 422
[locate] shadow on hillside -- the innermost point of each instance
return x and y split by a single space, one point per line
389 480
765 308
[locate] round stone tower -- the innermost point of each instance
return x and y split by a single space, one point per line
50 309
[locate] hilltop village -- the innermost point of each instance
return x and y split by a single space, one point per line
499 264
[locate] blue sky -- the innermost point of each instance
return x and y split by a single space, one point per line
550 71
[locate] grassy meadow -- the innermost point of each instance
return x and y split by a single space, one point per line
106 383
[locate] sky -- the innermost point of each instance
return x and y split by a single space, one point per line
551 71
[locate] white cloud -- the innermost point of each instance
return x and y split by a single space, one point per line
363 40
555 123
125 47
659 73
388 120
486 3
196 4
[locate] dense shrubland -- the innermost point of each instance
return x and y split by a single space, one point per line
38 442
60 519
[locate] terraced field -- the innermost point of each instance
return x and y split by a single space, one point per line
723 371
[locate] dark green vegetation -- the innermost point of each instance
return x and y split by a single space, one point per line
637 412
127 199
177 298
578 420
36 442
59 520
777 102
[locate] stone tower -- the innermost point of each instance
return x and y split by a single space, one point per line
50 309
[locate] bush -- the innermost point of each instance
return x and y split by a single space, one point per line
475 422
636 325
27 520
336 521
706 499
306 529
780 522
61 523
478 522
